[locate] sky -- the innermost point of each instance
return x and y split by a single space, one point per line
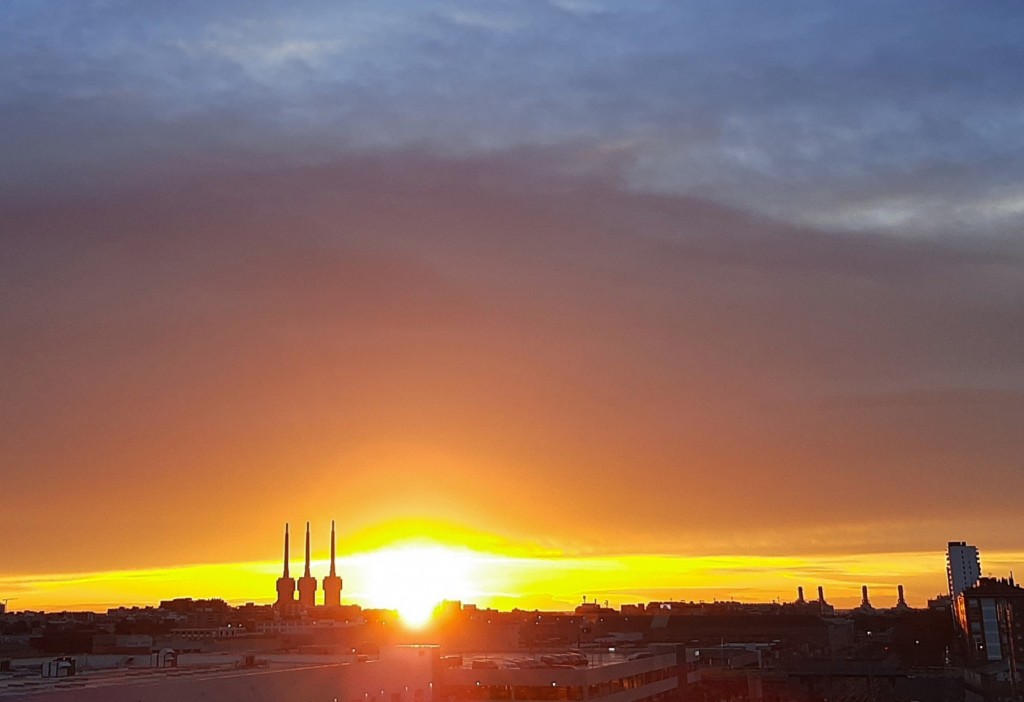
571 279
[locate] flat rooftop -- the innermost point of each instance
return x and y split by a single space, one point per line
524 659
26 680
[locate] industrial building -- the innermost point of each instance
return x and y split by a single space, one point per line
306 586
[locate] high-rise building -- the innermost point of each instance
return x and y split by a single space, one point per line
963 567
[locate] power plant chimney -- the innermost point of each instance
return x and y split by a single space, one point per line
307 583
333 571
824 608
800 596
285 584
285 573
865 603
332 583
306 574
901 603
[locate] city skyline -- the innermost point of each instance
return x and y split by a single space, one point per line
726 295
379 578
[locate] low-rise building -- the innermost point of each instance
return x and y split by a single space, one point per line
991 617
647 676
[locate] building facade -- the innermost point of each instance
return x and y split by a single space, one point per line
963 568
652 678
991 617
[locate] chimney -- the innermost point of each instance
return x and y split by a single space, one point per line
800 595
821 595
306 574
332 583
285 584
900 602
865 603
307 583
285 574
334 573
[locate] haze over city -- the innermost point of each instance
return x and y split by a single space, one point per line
633 300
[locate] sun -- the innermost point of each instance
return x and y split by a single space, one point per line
414 578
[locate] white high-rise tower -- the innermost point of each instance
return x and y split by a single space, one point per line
963 567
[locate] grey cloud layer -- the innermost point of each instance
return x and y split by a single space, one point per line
900 116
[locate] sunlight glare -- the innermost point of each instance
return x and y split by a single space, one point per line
414 578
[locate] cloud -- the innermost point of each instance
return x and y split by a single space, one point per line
402 333
879 117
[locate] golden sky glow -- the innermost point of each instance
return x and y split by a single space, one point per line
412 575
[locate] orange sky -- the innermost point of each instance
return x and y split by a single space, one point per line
587 280
179 396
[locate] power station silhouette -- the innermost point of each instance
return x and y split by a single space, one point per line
306 585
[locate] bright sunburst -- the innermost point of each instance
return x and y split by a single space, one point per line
414 578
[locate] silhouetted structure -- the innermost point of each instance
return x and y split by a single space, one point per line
332 583
865 604
285 584
307 583
901 602
306 586
824 607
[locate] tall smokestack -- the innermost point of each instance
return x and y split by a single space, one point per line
821 595
332 583
306 574
285 575
285 584
800 595
333 571
307 583
865 602
901 602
